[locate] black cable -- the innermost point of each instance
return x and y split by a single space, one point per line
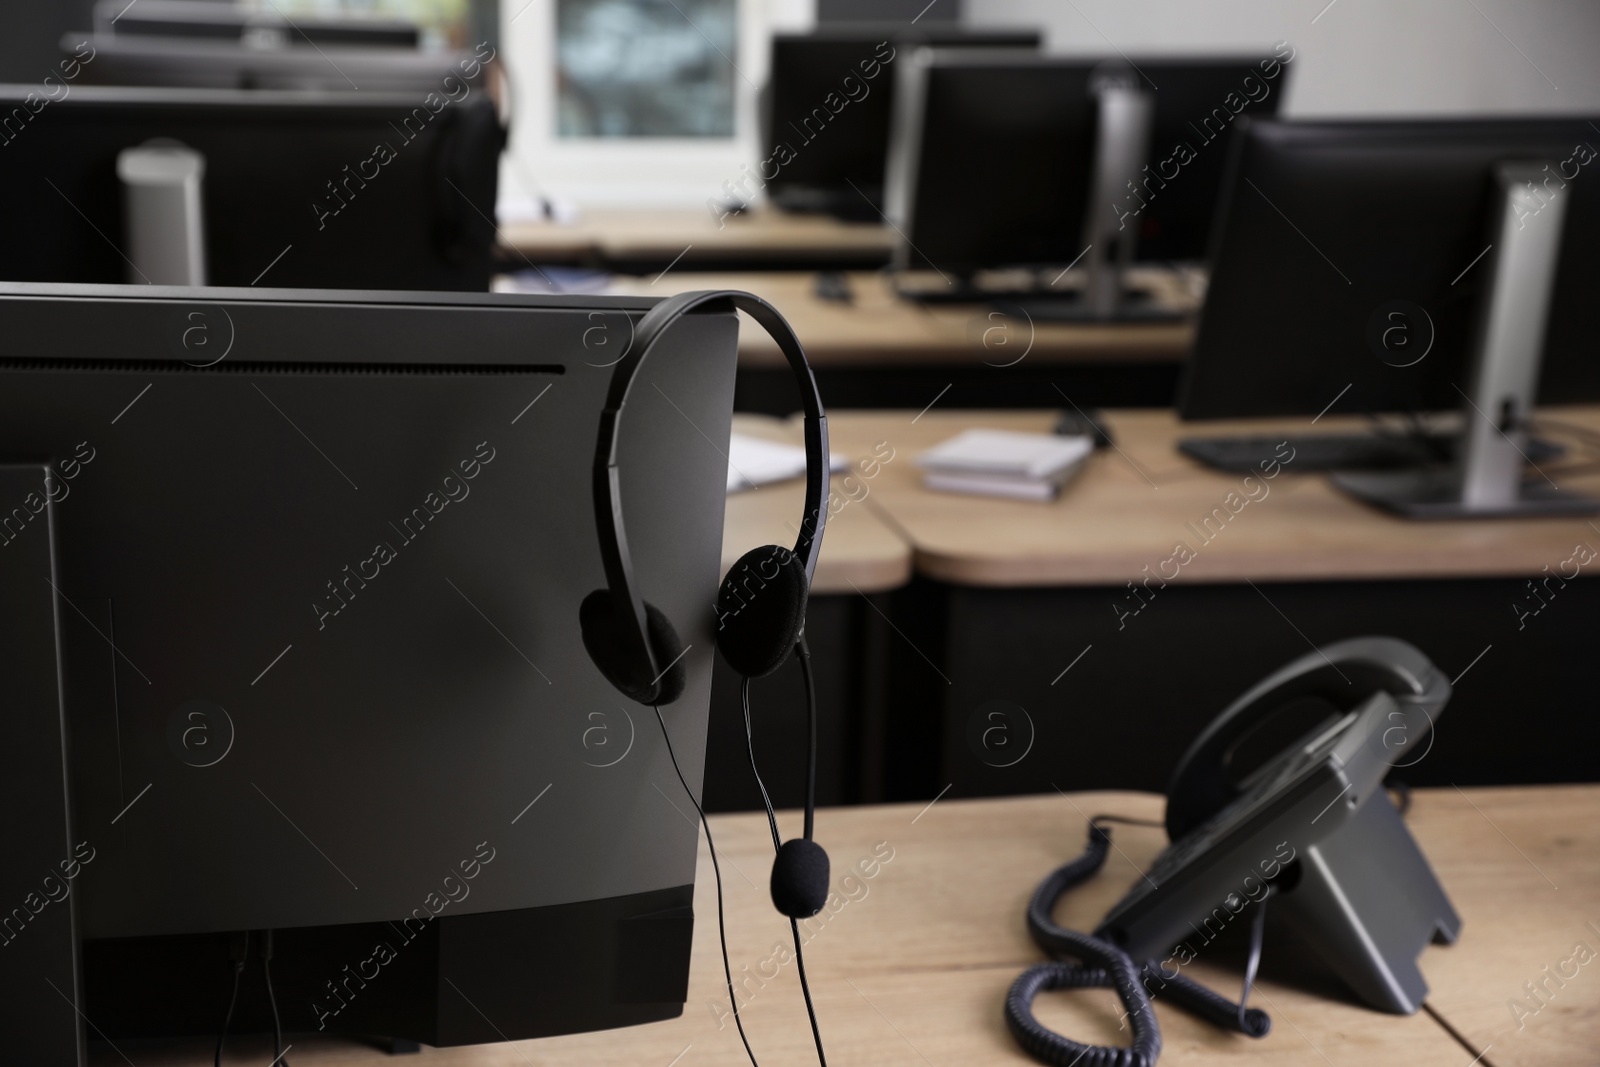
1105 965
233 998
750 746
804 653
722 927
772 822
1126 820
1258 928
805 991
272 999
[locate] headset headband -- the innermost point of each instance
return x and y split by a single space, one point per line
607 490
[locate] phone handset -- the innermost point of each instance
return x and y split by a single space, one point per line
1343 674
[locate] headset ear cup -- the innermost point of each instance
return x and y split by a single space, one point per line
761 610
603 627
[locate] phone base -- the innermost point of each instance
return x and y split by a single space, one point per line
1368 902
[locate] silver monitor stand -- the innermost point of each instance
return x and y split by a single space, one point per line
1122 140
165 228
1488 478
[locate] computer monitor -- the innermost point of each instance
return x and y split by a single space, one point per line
346 190
1405 267
307 567
992 159
1197 102
829 97
262 25
208 63
1004 160
1326 227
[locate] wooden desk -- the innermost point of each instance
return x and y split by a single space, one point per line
882 330
883 351
1523 868
1031 603
913 966
1131 506
647 241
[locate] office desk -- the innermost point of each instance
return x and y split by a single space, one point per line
1121 518
648 241
883 350
1523 867
912 965
1032 604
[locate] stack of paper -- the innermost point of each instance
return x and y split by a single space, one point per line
753 461
1027 466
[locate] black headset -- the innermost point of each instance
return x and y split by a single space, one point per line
761 603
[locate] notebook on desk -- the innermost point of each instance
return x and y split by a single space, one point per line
1022 466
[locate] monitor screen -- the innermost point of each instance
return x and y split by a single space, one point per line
1197 102
998 150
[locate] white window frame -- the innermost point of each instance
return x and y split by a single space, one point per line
633 172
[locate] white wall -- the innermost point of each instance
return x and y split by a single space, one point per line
1355 57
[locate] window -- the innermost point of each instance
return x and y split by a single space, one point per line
645 68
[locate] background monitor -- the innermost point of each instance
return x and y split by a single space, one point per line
833 149
345 191
263 24
1197 102
208 63
319 574
1327 227
996 150
1000 167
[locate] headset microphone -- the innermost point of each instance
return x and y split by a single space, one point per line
800 878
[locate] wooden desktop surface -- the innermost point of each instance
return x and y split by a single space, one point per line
860 553
1523 869
911 962
878 328
1134 504
604 236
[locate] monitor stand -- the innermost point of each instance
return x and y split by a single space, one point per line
1122 141
165 229
1488 479
39 958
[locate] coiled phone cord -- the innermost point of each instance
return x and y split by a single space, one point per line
1105 965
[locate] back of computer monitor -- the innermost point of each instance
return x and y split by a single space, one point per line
206 63
233 21
827 108
348 190
995 152
319 559
1344 266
